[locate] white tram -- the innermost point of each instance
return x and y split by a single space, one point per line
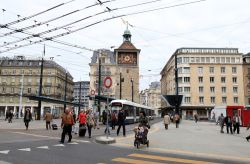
131 110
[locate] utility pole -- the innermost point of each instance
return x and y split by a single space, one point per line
121 80
99 81
40 88
80 90
132 88
21 99
65 92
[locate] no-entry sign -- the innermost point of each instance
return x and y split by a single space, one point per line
107 82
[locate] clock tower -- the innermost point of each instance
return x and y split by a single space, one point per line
127 60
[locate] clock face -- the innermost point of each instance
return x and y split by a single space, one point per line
127 58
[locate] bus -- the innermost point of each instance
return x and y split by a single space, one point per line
131 110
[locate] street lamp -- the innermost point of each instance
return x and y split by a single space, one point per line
132 88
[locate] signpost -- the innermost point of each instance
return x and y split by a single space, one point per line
107 83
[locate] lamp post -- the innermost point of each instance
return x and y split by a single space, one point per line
132 89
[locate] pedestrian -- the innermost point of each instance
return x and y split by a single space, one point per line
90 122
236 123
143 120
27 117
7 115
11 115
113 119
48 118
177 120
82 123
121 122
66 125
221 120
104 117
166 120
108 121
228 122
96 119
248 137
196 118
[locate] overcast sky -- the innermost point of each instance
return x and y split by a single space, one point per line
208 23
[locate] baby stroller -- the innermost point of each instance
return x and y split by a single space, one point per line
141 136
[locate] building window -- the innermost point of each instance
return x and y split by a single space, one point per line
200 70
30 72
29 90
234 79
201 100
3 90
223 70
186 79
186 70
232 59
200 89
223 89
187 89
236 100
211 79
48 90
186 60
211 69
11 99
12 90
223 79
234 69
180 89
207 59
187 100
14 72
212 89
235 89
228 59
212 100
224 100
200 79
13 80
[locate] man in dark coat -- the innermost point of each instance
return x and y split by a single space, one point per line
121 122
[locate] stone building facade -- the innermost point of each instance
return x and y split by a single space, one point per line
122 66
19 71
207 77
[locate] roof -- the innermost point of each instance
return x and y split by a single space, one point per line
110 54
126 45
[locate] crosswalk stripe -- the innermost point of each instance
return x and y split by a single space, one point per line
43 147
133 161
25 149
59 145
73 143
4 152
170 159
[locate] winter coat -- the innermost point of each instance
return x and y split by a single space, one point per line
166 119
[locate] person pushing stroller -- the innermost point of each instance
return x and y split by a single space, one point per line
142 130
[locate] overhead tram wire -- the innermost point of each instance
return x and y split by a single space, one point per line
34 15
64 26
53 19
97 22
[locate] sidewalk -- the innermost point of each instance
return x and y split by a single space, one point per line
37 127
198 139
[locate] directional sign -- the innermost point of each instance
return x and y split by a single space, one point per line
108 82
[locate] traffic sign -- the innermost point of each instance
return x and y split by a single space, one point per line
92 92
107 82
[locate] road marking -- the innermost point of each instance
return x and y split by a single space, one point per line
133 161
73 143
170 159
59 145
5 152
4 162
25 149
43 147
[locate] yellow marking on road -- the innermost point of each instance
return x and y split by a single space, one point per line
133 161
181 160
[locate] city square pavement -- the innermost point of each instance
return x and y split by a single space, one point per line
202 139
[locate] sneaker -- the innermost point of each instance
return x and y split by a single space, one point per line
61 142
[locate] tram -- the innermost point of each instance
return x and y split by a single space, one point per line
132 110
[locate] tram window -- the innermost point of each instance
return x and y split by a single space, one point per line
137 111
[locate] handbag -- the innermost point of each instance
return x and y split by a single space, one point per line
82 126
